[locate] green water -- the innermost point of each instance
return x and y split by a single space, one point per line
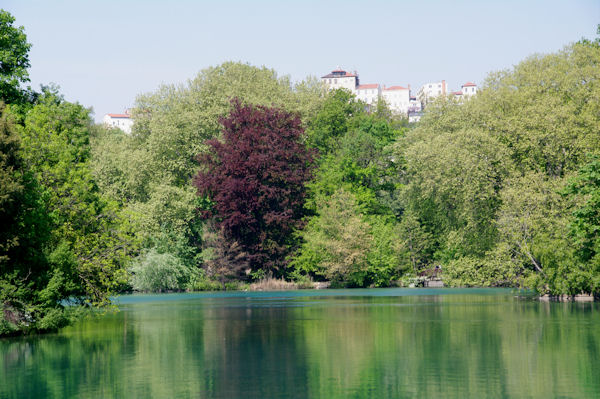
380 343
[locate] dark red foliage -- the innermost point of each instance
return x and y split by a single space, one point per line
255 177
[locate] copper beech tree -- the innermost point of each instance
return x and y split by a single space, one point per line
254 179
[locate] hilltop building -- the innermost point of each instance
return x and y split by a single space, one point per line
469 89
340 79
119 121
368 93
397 98
430 91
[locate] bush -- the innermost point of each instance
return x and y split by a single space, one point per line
156 272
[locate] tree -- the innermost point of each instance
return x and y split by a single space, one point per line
255 179
585 226
27 287
454 180
336 242
150 172
484 177
89 241
14 58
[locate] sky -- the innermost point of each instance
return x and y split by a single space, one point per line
103 54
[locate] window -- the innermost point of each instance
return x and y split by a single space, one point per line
335 81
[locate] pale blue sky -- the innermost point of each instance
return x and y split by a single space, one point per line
104 53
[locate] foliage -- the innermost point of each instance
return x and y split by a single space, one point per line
72 244
331 121
336 242
255 178
150 172
489 179
585 225
56 146
159 272
14 59
223 259
454 181
357 174
27 287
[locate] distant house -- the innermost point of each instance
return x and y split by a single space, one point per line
368 93
340 79
397 98
430 91
414 105
469 89
119 121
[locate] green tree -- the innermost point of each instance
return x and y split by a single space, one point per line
14 59
27 283
336 242
150 171
484 177
90 243
585 225
454 180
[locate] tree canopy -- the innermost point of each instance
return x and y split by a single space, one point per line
255 179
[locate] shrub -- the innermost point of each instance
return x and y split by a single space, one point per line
156 272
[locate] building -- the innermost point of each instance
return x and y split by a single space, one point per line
414 105
397 98
429 91
414 117
119 121
469 89
368 93
340 79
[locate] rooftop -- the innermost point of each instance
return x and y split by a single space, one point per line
469 84
119 115
338 73
368 86
396 88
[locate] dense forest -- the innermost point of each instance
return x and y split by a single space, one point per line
239 175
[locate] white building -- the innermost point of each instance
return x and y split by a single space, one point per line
458 95
340 79
469 89
368 93
430 91
414 105
414 117
397 98
119 121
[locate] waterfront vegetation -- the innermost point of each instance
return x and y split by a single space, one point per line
238 176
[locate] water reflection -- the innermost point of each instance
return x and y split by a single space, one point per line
289 346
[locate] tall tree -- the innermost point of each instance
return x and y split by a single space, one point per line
255 178
14 58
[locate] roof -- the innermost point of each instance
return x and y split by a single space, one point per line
368 86
469 84
338 73
396 88
119 115
457 93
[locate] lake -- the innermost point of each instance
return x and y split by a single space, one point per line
361 343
